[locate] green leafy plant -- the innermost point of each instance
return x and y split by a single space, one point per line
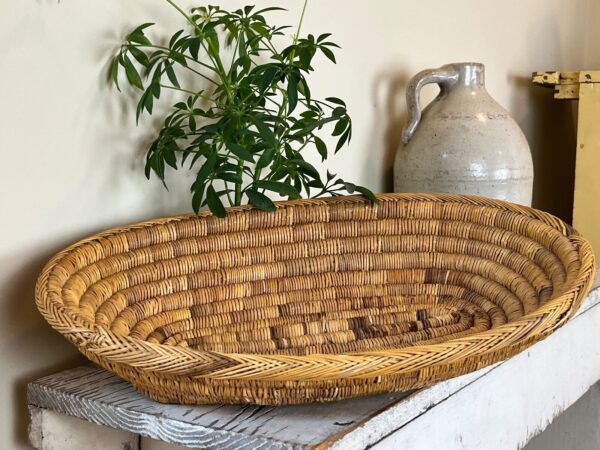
246 117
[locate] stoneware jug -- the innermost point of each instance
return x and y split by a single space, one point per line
463 142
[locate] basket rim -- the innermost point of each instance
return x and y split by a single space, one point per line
101 341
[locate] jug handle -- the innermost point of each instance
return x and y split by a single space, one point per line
445 77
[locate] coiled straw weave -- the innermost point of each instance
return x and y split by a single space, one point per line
318 301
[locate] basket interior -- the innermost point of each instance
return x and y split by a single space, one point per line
317 277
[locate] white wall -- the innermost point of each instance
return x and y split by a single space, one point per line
71 161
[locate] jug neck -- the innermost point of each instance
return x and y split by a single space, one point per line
470 75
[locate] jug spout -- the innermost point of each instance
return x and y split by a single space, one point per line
470 74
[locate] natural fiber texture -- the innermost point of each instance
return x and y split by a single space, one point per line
318 301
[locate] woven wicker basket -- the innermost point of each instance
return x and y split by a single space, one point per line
318 301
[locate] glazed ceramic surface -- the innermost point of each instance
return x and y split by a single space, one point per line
463 142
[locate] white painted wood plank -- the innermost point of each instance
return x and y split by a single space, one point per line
55 431
113 403
93 394
35 429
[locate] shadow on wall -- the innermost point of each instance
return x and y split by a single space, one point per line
389 87
34 345
550 127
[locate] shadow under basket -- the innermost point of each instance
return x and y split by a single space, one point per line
321 300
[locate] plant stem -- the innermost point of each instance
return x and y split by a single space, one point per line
238 186
200 74
270 46
228 195
300 22
298 29
175 88
235 51
167 49
184 14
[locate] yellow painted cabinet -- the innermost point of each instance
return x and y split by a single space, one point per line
583 86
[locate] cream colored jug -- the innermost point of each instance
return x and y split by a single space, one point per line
463 142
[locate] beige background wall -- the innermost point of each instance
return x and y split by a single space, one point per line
71 161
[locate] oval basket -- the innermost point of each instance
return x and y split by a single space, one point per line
318 301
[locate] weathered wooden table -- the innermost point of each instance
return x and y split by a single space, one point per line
499 407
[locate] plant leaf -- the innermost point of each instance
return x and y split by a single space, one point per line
266 158
137 35
145 102
240 151
340 126
261 201
306 168
343 139
197 199
272 8
292 92
264 130
232 177
367 193
194 47
171 75
214 203
132 74
323 36
139 55
174 38
206 169
336 100
283 189
321 147
178 57
329 54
